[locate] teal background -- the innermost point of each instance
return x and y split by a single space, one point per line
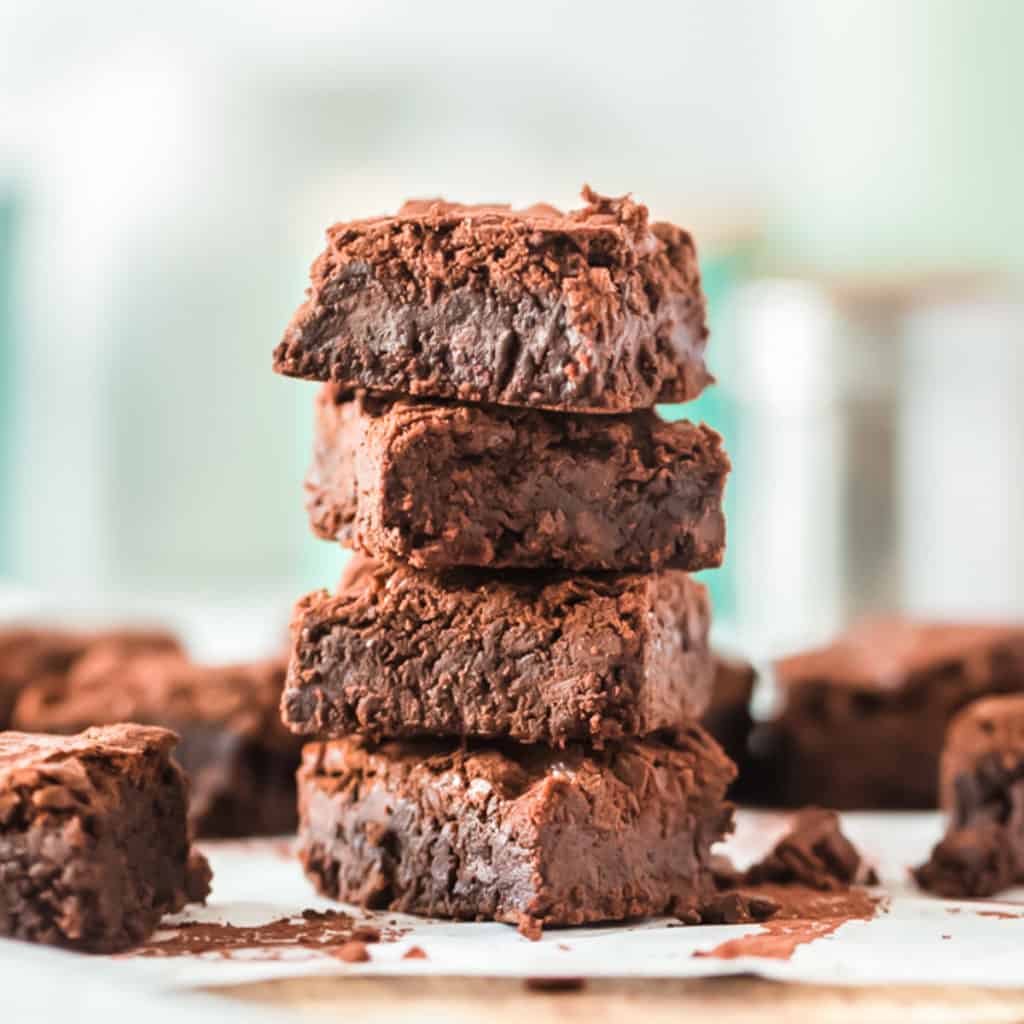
723 269
7 372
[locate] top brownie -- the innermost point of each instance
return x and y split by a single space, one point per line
591 311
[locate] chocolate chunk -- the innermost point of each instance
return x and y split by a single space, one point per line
814 852
738 908
971 862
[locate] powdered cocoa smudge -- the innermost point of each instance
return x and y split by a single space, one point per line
1001 915
414 953
804 915
354 952
313 931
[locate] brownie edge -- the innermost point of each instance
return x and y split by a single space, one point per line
508 832
535 657
94 843
437 485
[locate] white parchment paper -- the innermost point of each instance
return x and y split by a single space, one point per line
917 939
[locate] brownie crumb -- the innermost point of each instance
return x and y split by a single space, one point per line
414 953
970 862
353 952
738 908
554 984
814 853
531 928
366 933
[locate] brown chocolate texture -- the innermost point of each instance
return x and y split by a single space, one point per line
437 484
596 310
536 657
94 843
512 833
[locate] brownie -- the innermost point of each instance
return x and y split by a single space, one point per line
44 655
595 310
864 720
538 657
239 756
814 852
437 484
521 834
982 790
728 716
94 843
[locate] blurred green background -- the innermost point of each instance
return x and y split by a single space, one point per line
174 171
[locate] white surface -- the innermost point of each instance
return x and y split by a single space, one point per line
255 884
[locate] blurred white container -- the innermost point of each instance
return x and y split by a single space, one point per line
813 371
962 461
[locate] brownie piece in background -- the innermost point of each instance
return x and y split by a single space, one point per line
595 310
982 790
515 833
436 485
239 757
728 717
537 657
43 656
94 842
864 720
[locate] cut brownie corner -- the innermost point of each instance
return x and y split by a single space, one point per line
94 839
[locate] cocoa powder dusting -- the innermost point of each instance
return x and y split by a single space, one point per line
315 932
804 914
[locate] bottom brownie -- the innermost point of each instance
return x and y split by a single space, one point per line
515 833
982 789
94 844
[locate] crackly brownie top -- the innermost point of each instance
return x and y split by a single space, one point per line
511 770
369 589
886 653
431 245
108 685
27 650
30 760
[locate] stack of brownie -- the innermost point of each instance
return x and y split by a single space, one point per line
507 683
